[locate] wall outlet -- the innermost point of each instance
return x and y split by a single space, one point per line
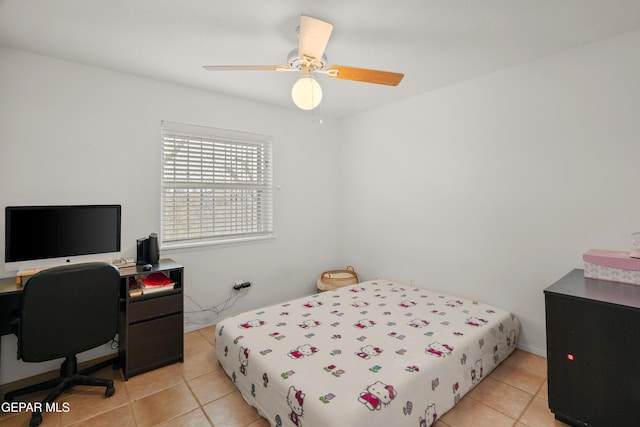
241 285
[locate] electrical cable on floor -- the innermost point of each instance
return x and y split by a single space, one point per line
218 309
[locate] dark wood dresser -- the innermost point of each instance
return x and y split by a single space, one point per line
593 351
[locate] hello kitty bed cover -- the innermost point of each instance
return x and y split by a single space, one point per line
377 353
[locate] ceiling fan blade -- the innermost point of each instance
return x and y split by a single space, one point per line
313 37
364 75
248 68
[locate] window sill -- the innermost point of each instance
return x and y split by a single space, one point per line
221 242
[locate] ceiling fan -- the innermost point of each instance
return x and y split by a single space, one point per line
309 59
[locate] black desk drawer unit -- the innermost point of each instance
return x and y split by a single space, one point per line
151 325
149 349
151 308
593 349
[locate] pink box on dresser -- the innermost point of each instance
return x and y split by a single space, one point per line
616 266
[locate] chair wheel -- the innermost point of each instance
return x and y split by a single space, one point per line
36 419
110 391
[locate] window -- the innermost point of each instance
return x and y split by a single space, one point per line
216 185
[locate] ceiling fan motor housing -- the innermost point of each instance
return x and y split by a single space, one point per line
297 63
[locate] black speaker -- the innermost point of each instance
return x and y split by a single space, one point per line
148 251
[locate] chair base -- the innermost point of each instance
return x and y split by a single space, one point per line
69 377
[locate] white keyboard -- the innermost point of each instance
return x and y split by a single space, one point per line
122 262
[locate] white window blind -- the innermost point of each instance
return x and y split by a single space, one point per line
216 185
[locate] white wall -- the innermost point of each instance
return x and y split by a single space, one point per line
490 189
493 188
71 134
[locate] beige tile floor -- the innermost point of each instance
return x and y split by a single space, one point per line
198 393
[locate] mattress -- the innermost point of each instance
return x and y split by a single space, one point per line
377 353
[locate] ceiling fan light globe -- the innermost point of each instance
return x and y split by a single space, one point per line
306 93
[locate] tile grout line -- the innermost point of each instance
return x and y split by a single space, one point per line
200 405
533 398
197 400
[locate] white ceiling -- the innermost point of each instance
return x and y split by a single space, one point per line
435 43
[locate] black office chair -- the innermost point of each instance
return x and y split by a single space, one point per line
65 311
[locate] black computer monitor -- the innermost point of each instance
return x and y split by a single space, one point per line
54 232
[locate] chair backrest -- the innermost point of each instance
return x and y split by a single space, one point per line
67 310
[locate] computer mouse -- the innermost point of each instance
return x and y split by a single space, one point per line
147 267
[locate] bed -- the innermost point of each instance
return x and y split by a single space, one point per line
377 353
